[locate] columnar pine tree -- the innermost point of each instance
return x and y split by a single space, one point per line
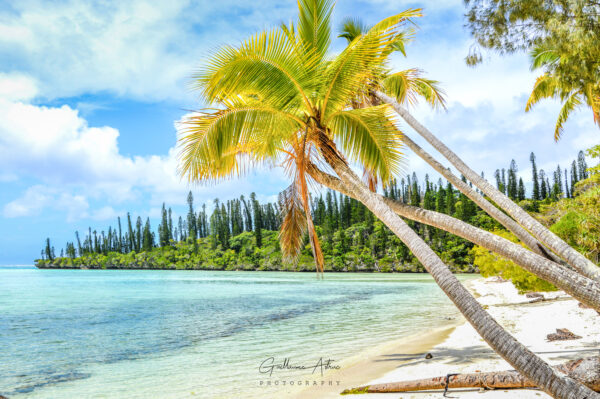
536 185
450 200
544 189
258 220
147 241
130 233
582 172
521 190
48 250
574 177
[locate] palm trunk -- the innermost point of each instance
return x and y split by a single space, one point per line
484 204
579 287
521 358
586 371
552 241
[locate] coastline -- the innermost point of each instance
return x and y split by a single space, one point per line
367 271
458 348
373 362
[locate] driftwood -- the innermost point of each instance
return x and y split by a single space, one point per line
562 334
534 295
586 371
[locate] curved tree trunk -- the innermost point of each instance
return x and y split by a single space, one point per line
551 240
521 358
484 204
579 287
586 371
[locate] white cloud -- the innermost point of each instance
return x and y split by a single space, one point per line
77 163
146 50
105 213
16 86
132 47
139 49
39 197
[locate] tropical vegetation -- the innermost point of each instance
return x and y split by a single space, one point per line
562 38
241 234
282 99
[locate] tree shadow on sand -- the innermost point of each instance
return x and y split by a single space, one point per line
477 353
469 354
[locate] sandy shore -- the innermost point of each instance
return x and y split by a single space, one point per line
457 349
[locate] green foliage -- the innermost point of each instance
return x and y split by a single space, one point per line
562 37
243 235
490 264
577 220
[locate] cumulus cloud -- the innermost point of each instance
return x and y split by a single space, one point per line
76 163
57 145
139 49
16 86
38 197
145 51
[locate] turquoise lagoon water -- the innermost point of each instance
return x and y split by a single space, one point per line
180 334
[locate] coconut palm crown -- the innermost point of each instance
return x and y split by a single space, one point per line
573 93
277 92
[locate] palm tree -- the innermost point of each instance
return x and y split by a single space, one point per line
394 89
551 240
405 87
572 94
578 286
282 100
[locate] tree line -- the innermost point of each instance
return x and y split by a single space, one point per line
333 214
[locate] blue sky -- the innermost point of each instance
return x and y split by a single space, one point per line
90 93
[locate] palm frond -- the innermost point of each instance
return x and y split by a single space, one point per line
399 42
351 28
408 85
543 56
265 66
370 180
572 102
362 59
595 105
214 144
545 87
293 225
314 26
369 137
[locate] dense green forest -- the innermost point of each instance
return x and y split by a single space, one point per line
242 234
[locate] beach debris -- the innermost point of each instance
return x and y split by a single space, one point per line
534 295
429 356
584 306
586 371
562 334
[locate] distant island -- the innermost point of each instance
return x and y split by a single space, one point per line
242 234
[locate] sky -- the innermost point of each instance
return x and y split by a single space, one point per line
91 93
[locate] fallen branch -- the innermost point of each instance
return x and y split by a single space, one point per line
586 371
562 334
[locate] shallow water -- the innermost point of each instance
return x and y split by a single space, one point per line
179 334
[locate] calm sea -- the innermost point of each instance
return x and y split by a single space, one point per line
180 334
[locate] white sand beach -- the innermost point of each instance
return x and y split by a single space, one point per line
460 349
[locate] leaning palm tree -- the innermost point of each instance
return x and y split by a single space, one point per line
393 92
579 287
281 100
540 232
406 87
572 94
